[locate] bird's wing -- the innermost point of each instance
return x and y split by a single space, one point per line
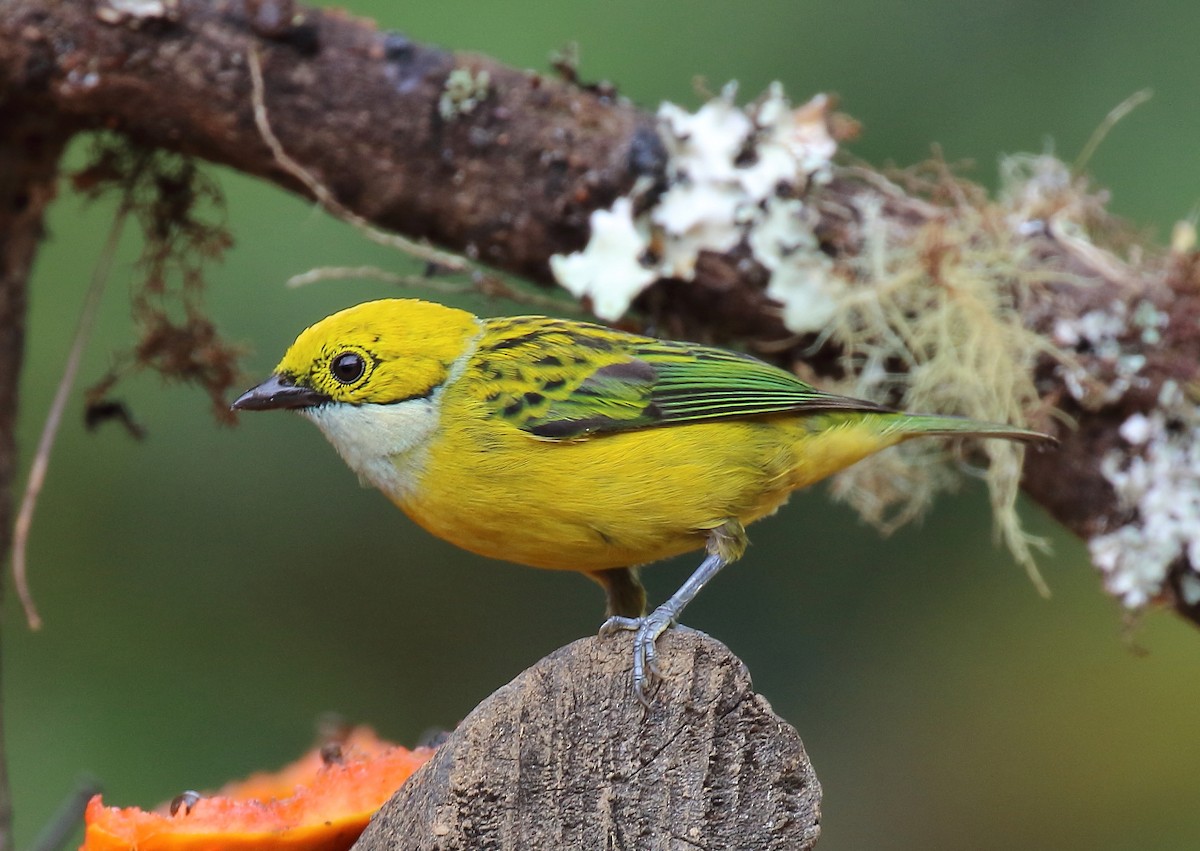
562 380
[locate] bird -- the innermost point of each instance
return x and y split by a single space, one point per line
567 445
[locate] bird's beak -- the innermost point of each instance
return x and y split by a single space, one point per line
278 391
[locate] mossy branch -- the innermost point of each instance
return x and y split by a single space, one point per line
1034 305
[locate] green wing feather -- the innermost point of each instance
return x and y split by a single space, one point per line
562 380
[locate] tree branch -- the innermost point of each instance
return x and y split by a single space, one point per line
507 166
508 183
30 145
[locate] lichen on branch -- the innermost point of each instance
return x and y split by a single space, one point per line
926 317
849 274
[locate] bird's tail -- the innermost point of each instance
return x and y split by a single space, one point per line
906 426
831 442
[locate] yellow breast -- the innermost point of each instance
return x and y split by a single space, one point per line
618 499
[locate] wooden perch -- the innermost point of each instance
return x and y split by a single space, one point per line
564 757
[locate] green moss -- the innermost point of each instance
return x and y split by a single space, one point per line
934 323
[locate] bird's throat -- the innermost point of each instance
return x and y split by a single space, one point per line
386 445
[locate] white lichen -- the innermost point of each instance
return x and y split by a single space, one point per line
695 217
1157 477
609 270
1189 589
463 91
1151 321
1107 335
790 140
802 276
703 146
726 167
136 11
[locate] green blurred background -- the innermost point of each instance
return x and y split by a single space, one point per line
210 591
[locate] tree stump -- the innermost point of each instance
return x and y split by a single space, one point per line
564 757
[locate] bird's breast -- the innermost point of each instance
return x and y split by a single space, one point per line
601 502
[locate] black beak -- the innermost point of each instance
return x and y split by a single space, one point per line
278 391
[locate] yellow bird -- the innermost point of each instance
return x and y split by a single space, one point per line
571 446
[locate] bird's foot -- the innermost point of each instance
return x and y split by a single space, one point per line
647 631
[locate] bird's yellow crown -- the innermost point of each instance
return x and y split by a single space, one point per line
381 351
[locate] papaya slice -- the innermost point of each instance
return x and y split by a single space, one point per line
321 802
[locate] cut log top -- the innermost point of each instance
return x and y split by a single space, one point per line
563 757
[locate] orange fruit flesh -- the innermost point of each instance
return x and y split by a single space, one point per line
321 802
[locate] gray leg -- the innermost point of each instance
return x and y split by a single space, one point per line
725 544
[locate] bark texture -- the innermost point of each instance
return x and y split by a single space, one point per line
509 182
564 757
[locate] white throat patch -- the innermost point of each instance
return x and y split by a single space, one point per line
384 444
387 445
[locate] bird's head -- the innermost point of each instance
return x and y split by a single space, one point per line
380 352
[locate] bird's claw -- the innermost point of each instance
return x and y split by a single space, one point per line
647 630
616 624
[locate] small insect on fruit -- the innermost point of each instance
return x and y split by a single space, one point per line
566 445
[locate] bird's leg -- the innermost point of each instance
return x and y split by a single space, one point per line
725 544
624 592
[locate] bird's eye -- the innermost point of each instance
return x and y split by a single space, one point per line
348 367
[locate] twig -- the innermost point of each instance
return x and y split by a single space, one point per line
41 459
342 273
1110 121
488 285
